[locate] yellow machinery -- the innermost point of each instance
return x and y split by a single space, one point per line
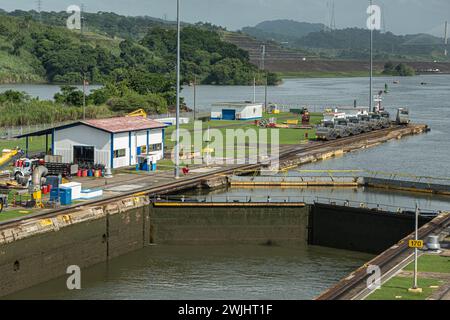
37 197
8 155
138 113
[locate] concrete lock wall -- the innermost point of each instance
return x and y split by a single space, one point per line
229 225
358 229
41 249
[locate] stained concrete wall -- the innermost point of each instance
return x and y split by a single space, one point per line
229 225
41 249
358 229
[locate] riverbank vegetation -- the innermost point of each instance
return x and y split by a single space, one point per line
401 70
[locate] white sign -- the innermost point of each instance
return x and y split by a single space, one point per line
74 21
374 19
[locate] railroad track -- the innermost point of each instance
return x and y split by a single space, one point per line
351 287
178 185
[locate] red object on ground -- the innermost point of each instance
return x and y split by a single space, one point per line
79 173
49 187
185 171
44 189
84 173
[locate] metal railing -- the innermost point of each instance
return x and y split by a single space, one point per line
291 199
11 132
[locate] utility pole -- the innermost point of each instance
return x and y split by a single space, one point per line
254 89
371 64
446 39
39 7
195 96
263 67
333 16
177 146
415 287
83 71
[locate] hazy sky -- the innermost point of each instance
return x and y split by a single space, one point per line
402 16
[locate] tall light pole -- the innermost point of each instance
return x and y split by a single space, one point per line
263 67
84 71
371 63
195 96
416 251
446 39
177 130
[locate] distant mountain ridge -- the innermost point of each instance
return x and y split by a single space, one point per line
282 30
348 43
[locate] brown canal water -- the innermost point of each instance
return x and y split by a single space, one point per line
204 272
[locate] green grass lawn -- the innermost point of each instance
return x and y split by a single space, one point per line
12 214
398 287
287 136
431 263
34 144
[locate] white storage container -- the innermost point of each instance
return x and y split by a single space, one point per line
76 189
91 194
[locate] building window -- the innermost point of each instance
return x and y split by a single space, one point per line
155 147
120 153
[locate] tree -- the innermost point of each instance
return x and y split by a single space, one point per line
151 103
14 96
70 96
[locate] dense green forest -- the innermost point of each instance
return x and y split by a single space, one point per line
55 54
134 59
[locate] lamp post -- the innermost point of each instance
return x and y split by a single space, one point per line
177 130
415 288
371 63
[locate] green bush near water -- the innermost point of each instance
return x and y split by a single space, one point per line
45 112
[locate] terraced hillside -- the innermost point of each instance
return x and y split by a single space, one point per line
274 52
303 63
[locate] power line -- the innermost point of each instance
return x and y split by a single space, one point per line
39 9
333 17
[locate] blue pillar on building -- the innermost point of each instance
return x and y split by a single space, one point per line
148 141
112 151
163 139
53 142
26 146
46 143
129 146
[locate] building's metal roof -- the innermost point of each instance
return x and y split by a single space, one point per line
110 125
237 104
124 124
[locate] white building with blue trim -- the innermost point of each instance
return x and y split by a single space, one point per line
112 142
236 111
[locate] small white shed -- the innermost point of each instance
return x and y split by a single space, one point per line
236 111
114 142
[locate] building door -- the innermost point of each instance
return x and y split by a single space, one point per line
228 114
83 154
